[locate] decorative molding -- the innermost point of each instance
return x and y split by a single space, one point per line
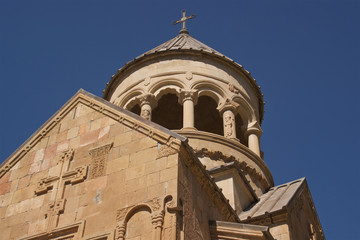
156 205
147 81
186 95
228 104
233 89
189 75
69 232
217 155
235 145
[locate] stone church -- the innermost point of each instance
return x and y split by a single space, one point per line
171 151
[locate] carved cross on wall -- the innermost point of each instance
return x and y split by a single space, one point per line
57 185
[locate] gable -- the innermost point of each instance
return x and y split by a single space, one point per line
88 161
78 106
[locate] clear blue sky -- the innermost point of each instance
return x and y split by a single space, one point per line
304 54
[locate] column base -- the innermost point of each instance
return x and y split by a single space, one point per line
189 128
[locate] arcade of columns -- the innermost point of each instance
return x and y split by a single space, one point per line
228 110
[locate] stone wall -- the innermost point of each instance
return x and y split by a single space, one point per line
86 177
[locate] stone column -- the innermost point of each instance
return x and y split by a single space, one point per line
188 98
157 221
120 231
147 103
253 134
228 111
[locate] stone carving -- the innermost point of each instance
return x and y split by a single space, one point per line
145 113
55 208
165 151
72 231
188 95
121 213
189 75
120 231
228 125
233 89
147 81
77 175
45 184
155 204
58 184
98 160
216 155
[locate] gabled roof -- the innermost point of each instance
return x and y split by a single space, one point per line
276 199
157 132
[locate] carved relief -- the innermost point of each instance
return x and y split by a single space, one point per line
145 113
165 151
155 204
228 125
217 155
45 184
147 81
77 175
55 208
189 75
233 89
98 160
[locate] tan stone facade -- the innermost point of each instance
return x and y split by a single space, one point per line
97 171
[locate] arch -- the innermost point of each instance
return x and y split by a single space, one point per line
139 222
245 110
210 89
133 210
129 97
168 113
172 83
207 117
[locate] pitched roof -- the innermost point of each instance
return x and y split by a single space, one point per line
159 133
276 199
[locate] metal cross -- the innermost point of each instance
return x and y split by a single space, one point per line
183 21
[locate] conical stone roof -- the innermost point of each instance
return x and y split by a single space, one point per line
183 42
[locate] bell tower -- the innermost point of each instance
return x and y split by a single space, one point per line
192 89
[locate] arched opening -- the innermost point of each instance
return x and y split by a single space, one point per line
136 109
239 132
139 225
207 117
169 112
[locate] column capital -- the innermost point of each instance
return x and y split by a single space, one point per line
157 219
253 128
148 99
228 105
188 95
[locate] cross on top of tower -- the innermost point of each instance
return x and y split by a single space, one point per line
183 21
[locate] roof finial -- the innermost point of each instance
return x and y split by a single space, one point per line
183 21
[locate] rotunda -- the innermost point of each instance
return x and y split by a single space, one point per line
192 89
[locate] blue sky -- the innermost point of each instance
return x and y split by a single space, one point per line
305 55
